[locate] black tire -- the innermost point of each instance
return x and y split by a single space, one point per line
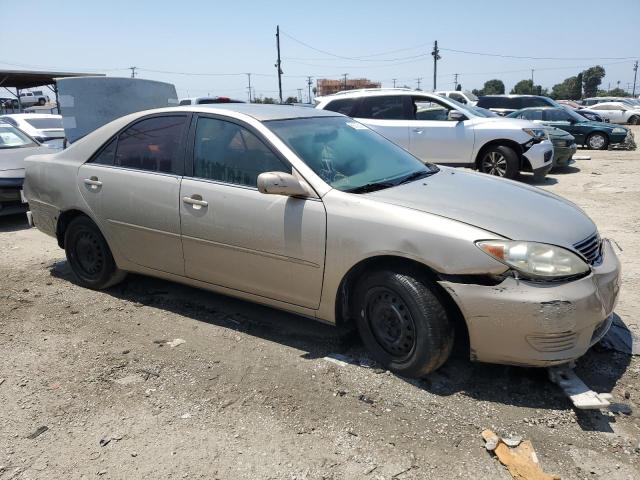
89 255
500 161
634 120
41 101
598 141
402 322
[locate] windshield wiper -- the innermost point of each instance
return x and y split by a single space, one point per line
371 187
416 175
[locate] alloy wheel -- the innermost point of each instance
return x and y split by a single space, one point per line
494 163
597 141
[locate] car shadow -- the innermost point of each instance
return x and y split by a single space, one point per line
565 170
508 385
536 181
14 223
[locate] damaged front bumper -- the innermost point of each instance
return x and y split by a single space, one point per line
520 322
540 157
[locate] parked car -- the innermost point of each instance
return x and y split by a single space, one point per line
312 212
578 108
440 130
15 146
633 102
506 104
44 127
207 100
618 112
33 98
594 135
564 146
462 96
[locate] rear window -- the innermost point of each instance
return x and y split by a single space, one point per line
44 123
495 102
343 106
535 102
388 107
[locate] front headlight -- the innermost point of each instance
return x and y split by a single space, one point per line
619 130
535 259
539 134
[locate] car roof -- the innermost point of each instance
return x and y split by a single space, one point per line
258 111
372 92
31 115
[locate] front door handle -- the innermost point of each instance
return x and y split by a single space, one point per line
417 130
196 201
93 182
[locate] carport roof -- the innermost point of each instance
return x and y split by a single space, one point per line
28 79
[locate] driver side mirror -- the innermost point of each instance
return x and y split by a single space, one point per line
457 116
280 183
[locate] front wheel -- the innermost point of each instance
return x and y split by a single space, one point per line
41 101
89 255
402 322
597 141
500 161
635 120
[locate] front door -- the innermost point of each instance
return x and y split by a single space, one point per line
132 186
434 137
236 237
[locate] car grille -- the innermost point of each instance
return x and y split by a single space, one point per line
590 248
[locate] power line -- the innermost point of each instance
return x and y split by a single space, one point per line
533 58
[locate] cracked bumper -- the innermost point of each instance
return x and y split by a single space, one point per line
540 157
539 324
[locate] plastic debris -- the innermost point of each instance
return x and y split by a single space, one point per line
176 342
521 461
38 431
580 395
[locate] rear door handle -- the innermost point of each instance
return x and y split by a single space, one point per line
93 182
195 200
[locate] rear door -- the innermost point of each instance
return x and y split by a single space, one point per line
132 185
236 237
388 115
561 119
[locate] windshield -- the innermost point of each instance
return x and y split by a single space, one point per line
44 123
348 155
11 137
471 96
576 116
468 110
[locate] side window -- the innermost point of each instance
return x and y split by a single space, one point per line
152 144
458 97
532 115
556 116
388 107
107 155
185 102
229 153
344 106
426 109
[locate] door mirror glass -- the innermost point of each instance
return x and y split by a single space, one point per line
279 183
456 116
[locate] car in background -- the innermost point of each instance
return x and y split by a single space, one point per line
618 112
45 128
506 104
633 102
15 146
314 213
33 98
594 135
564 146
462 96
581 110
207 100
440 130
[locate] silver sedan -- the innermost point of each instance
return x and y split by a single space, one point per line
312 212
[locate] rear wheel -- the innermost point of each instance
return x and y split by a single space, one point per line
89 255
402 322
41 101
635 120
500 161
597 141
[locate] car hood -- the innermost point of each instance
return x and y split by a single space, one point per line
600 125
507 208
13 158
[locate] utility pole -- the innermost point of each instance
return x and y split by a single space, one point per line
249 87
309 83
300 95
344 75
436 57
635 74
394 82
455 81
418 80
532 81
133 71
279 63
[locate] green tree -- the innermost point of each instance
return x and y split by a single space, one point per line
268 100
493 87
615 92
523 87
567 89
591 80
291 100
577 94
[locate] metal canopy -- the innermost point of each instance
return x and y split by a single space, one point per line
20 79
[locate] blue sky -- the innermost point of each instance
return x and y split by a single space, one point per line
225 37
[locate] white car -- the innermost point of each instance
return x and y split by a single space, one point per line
33 98
617 112
44 127
440 130
463 96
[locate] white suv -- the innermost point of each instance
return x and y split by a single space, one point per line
463 96
440 130
618 112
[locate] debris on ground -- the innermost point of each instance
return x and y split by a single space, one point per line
573 387
176 342
521 461
38 431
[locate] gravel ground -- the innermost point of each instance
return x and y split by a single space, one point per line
250 395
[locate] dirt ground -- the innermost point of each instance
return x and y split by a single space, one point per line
250 394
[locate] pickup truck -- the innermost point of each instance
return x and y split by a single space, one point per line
33 98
